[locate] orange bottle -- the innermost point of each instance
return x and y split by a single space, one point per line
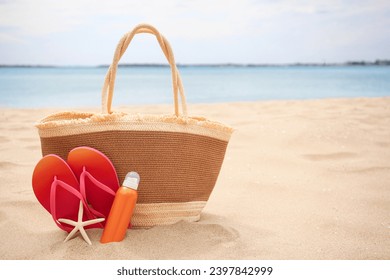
121 210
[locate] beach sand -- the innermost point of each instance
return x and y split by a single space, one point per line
300 180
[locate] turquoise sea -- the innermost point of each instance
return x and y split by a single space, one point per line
72 87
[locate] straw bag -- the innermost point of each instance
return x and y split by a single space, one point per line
178 157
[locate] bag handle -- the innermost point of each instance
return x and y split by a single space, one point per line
109 80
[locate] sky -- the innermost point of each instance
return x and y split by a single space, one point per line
85 32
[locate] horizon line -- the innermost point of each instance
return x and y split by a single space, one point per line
381 62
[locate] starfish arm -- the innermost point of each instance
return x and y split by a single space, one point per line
81 211
67 221
85 236
70 235
91 222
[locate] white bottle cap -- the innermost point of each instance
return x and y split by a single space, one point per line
131 180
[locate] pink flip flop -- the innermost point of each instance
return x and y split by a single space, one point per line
98 179
57 189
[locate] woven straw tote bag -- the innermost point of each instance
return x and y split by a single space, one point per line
177 156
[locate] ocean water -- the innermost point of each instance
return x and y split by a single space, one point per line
73 87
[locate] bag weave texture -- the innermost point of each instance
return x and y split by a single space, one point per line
178 157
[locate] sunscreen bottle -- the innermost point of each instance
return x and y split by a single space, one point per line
121 210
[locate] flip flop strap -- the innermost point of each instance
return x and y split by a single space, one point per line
97 183
53 191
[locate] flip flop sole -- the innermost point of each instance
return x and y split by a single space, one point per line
101 168
45 172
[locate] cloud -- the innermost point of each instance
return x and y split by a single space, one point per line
189 19
9 39
37 18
